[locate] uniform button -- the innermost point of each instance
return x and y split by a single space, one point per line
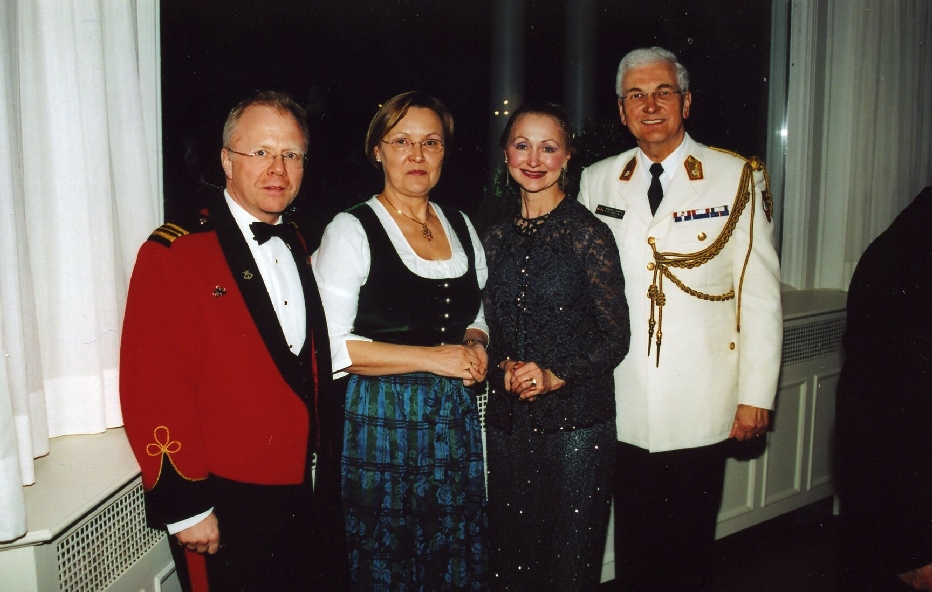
446 285
701 236
731 345
443 330
650 266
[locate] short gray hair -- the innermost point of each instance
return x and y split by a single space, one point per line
650 55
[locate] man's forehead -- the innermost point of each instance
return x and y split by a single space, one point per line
265 120
654 74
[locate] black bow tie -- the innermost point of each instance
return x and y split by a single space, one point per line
263 231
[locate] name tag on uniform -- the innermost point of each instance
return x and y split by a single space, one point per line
610 212
687 215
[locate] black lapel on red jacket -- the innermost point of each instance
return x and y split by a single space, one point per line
252 286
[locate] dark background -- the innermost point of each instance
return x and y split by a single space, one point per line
341 59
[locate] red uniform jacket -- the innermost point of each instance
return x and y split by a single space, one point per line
207 382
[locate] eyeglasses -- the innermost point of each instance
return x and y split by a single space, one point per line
637 97
291 159
404 145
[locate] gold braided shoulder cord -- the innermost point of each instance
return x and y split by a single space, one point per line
663 261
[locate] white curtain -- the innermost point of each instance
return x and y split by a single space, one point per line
78 192
859 133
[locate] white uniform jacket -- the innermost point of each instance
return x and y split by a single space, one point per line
707 365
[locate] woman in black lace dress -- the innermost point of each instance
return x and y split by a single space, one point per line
556 309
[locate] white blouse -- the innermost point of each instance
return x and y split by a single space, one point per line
341 267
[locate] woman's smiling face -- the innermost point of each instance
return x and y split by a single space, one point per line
536 152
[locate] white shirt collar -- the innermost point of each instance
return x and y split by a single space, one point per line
671 164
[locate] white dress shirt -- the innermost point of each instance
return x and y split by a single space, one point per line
282 281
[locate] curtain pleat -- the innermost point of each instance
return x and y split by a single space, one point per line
76 190
865 128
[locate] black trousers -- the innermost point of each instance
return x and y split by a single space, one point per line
666 504
265 537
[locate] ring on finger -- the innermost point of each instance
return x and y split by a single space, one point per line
533 382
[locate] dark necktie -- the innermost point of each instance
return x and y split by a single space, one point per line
262 232
655 191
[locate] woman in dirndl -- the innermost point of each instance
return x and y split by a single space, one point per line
401 279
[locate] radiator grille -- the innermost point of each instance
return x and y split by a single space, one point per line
97 551
812 339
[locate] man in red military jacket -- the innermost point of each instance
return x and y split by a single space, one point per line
224 340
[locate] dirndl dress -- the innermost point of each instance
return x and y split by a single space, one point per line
413 475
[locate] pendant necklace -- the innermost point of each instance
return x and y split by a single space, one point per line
425 231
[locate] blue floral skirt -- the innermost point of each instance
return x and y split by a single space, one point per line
413 484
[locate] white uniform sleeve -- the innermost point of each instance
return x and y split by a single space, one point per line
761 336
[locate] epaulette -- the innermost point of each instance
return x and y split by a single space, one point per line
169 232
730 152
757 165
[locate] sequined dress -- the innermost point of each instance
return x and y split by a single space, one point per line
555 296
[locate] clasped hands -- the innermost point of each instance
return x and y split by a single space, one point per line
528 380
469 362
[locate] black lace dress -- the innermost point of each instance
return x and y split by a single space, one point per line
555 296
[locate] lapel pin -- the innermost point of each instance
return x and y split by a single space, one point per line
247 275
219 291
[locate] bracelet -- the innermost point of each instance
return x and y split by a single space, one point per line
469 342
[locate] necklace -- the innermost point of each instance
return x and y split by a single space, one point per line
425 231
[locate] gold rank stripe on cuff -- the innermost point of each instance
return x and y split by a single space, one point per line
167 233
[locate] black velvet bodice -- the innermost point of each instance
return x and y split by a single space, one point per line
398 306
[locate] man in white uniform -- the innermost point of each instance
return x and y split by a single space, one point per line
694 228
